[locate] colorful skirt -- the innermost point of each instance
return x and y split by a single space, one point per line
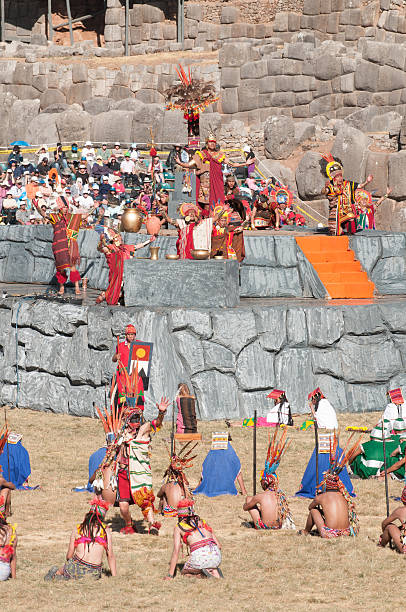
5 570
76 568
328 533
203 555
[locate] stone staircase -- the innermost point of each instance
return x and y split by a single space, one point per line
339 271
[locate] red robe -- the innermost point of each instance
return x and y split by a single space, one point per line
184 244
115 262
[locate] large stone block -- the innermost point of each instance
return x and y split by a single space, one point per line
368 250
42 128
217 357
234 54
78 93
191 351
111 126
248 95
389 275
259 281
397 175
279 137
181 283
51 96
351 146
21 113
229 14
367 76
234 329
97 105
368 359
73 125
282 173
325 326
217 395
229 101
309 178
312 7
271 325
255 368
230 77
79 73
378 166
328 67
254 70
295 364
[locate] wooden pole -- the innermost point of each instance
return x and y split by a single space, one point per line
254 455
68 11
181 22
173 428
127 18
50 27
2 18
385 468
316 440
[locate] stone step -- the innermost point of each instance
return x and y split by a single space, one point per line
333 267
329 256
343 277
360 290
321 243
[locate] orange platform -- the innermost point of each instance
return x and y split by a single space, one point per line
335 263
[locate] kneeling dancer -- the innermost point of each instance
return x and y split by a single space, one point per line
176 486
270 509
8 545
87 545
205 555
391 532
332 511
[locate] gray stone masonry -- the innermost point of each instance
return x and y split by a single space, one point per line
231 358
187 283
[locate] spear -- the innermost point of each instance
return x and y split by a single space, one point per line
316 438
385 468
254 455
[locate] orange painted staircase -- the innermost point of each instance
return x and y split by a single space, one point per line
335 263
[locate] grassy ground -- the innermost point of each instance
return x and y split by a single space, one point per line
263 571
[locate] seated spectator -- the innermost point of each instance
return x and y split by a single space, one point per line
43 167
82 173
88 152
95 193
113 164
105 187
146 196
99 168
171 159
127 166
117 151
120 189
22 214
103 152
231 186
4 186
73 156
15 155
9 209
41 154
262 216
85 201
17 190
14 170
134 152
156 170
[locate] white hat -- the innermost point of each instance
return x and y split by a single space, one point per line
246 148
107 214
25 161
91 179
105 178
35 179
116 143
95 186
134 145
82 165
38 194
27 172
88 143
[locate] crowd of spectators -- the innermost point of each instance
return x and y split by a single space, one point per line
107 179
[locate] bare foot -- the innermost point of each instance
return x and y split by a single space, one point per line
61 290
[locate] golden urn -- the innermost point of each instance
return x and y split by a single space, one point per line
131 220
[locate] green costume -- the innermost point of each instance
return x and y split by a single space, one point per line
371 459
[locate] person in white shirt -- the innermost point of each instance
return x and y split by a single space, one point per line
133 152
86 201
88 152
127 166
322 411
396 409
280 413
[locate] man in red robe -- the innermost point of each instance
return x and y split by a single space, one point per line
116 253
209 175
122 358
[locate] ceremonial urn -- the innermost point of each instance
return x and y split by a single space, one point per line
154 252
153 225
131 220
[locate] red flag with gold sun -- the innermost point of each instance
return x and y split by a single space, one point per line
141 352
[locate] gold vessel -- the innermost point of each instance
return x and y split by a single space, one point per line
131 220
200 253
154 250
172 256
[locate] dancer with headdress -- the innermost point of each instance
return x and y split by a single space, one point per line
332 511
65 241
341 196
204 547
366 208
116 253
8 546
176 486
270 509
194 231
209 175
89 541
325 416
226 241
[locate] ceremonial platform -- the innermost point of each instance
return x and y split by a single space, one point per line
285 332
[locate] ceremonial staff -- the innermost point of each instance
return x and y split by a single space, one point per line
254 455
385 468
8 449
316 438
173 429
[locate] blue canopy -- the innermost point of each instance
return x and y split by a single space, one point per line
94 461
219 471
20 143
19 460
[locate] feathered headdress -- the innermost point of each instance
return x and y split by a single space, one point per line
185 507
276 394
331 480
99 505
178 463
276 449
3 437
190 93
111 417
330 166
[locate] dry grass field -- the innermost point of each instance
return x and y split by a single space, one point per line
263 570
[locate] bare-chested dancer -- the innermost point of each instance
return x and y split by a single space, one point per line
391 532
176 487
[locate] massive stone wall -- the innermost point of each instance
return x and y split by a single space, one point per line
273 267
230 357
